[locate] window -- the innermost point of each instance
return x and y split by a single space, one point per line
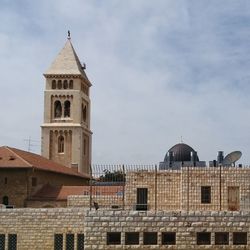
80 241
131 238
5 180
34 181
113 238
168 238
67 109
5 200
57 109
2 242
12 242
65 84
84 146
150 238
59 84
222 238
71 84
142 199
60 144
203 238
58 242
206 194
84 113
54 84
240 238
69 241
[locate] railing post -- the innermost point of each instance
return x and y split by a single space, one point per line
123 187
90 191
220 187
188 188
155 187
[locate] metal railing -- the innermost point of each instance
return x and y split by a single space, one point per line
189 188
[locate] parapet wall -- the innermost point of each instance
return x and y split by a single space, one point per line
185 225
36 228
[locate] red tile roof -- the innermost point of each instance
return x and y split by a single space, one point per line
49 192
16 158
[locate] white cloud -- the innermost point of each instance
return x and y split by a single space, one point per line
160 70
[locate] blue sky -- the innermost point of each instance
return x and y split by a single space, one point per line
160 70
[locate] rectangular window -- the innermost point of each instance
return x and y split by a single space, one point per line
58 242
80 241
206 194
168 238
69 241
12 242
203 238
5 180
132 238
2 242
142 199
34 181
113 238
240 238
150 238
221 238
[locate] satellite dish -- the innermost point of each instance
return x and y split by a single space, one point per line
232 158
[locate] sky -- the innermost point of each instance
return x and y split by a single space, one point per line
161 70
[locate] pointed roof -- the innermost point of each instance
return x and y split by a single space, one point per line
66 63
16 158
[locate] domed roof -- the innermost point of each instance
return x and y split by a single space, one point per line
181 152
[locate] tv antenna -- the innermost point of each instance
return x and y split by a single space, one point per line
31 143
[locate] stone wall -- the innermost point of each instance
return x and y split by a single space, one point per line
104 201
185 225
35 228
181 189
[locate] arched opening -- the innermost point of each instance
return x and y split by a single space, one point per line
71 84
5 200
67 109
54 84
60 144
65 84
59 84
57 109
84 113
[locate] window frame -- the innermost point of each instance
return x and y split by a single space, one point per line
206 194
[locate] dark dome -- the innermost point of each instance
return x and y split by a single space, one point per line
181 152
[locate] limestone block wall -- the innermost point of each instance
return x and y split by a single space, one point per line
181 189
35 228
104 201
186 225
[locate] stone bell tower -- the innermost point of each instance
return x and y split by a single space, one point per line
66 134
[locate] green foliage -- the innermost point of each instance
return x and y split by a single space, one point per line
115 176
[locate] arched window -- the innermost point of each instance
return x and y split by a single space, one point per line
60 144
57 109
59 84
67 109
6 200
84 113
54 84
65 84
71 84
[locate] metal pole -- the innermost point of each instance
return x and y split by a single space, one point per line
90 184
155 187
188 188
123 187
220 187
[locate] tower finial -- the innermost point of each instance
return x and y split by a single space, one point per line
69 34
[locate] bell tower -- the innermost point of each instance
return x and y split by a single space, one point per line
66 134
